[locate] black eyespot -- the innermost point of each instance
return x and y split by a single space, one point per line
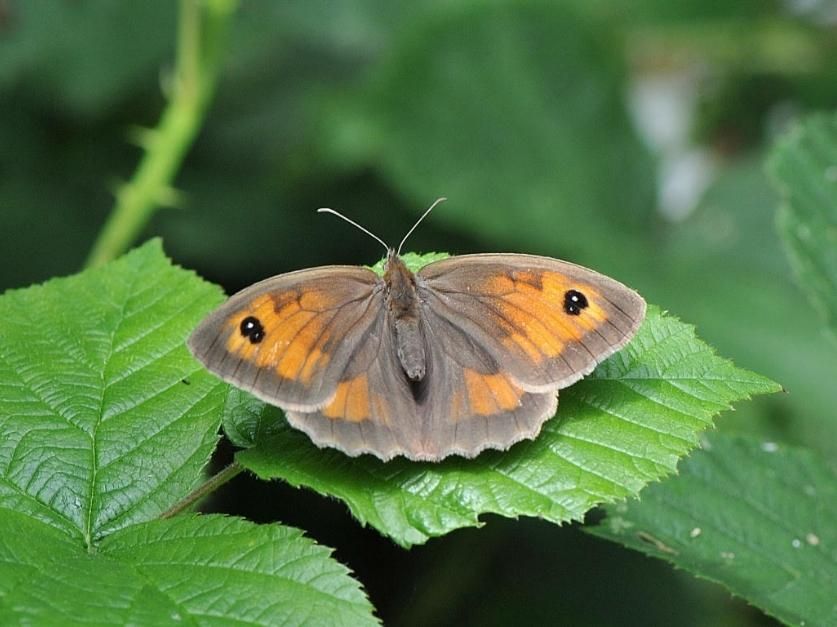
252 329
574 302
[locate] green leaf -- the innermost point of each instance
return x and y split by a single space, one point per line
106 421
188 570
757 517
413 261
625 425
247 420
804 165
743 309
516 114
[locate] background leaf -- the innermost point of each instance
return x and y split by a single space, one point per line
71 49
530 124
106 422
744 308
756 516
804 165
625 425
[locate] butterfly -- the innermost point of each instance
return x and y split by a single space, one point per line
466 354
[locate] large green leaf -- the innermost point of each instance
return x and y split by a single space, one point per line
105 419
625 425
804 165
756 516
188 570
106 422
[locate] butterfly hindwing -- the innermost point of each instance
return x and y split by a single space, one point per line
374 409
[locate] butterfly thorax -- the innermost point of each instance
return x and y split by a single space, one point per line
405 316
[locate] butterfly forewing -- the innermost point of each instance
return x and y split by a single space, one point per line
290 339
544 322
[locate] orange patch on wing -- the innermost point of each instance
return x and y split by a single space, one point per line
351 401
499 284
317 358
532 304
261 308
315 300
555 288
522 342
295 337
293 334
315 361
491 393
534 321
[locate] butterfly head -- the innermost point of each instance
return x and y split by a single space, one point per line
400 282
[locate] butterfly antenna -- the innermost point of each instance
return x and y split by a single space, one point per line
354 224
423 216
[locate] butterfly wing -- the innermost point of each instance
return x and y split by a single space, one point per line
373 409
289 339
505 332
470 402
317 344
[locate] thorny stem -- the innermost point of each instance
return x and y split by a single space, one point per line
202 26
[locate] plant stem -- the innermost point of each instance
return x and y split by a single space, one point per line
202 26
207 487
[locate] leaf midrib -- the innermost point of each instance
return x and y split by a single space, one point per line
94 459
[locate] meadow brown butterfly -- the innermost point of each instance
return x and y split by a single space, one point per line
466 354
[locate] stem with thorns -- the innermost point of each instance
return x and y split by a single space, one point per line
202 26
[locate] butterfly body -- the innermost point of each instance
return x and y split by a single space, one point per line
466 354
402 302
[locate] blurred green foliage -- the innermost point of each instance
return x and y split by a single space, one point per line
519 113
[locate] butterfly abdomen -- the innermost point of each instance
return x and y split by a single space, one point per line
410 348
